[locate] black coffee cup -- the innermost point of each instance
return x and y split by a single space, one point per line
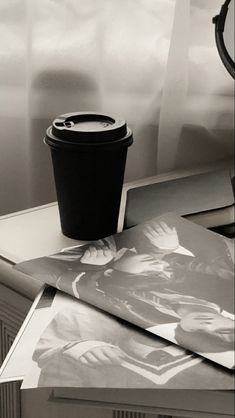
89 155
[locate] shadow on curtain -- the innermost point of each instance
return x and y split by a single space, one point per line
147 61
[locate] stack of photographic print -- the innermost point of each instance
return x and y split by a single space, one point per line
167 276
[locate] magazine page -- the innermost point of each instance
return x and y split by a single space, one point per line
82 346
19 358
168 276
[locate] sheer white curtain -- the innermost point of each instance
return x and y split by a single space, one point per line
147 61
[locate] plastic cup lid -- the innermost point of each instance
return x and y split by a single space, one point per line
87 128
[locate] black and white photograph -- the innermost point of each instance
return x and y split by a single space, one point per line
168 276
72 344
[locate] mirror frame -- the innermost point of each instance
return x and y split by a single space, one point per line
219 21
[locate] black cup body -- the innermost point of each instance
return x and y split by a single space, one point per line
88 171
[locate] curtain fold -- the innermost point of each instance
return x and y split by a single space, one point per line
14 141
174 90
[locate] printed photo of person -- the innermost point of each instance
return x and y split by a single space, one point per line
199 326
154 274
85 347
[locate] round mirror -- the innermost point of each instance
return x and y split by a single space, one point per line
224 35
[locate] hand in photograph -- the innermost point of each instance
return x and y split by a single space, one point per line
162 236
212 323
102 356
208 333
98 256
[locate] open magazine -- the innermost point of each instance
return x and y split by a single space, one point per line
65 343
167 276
